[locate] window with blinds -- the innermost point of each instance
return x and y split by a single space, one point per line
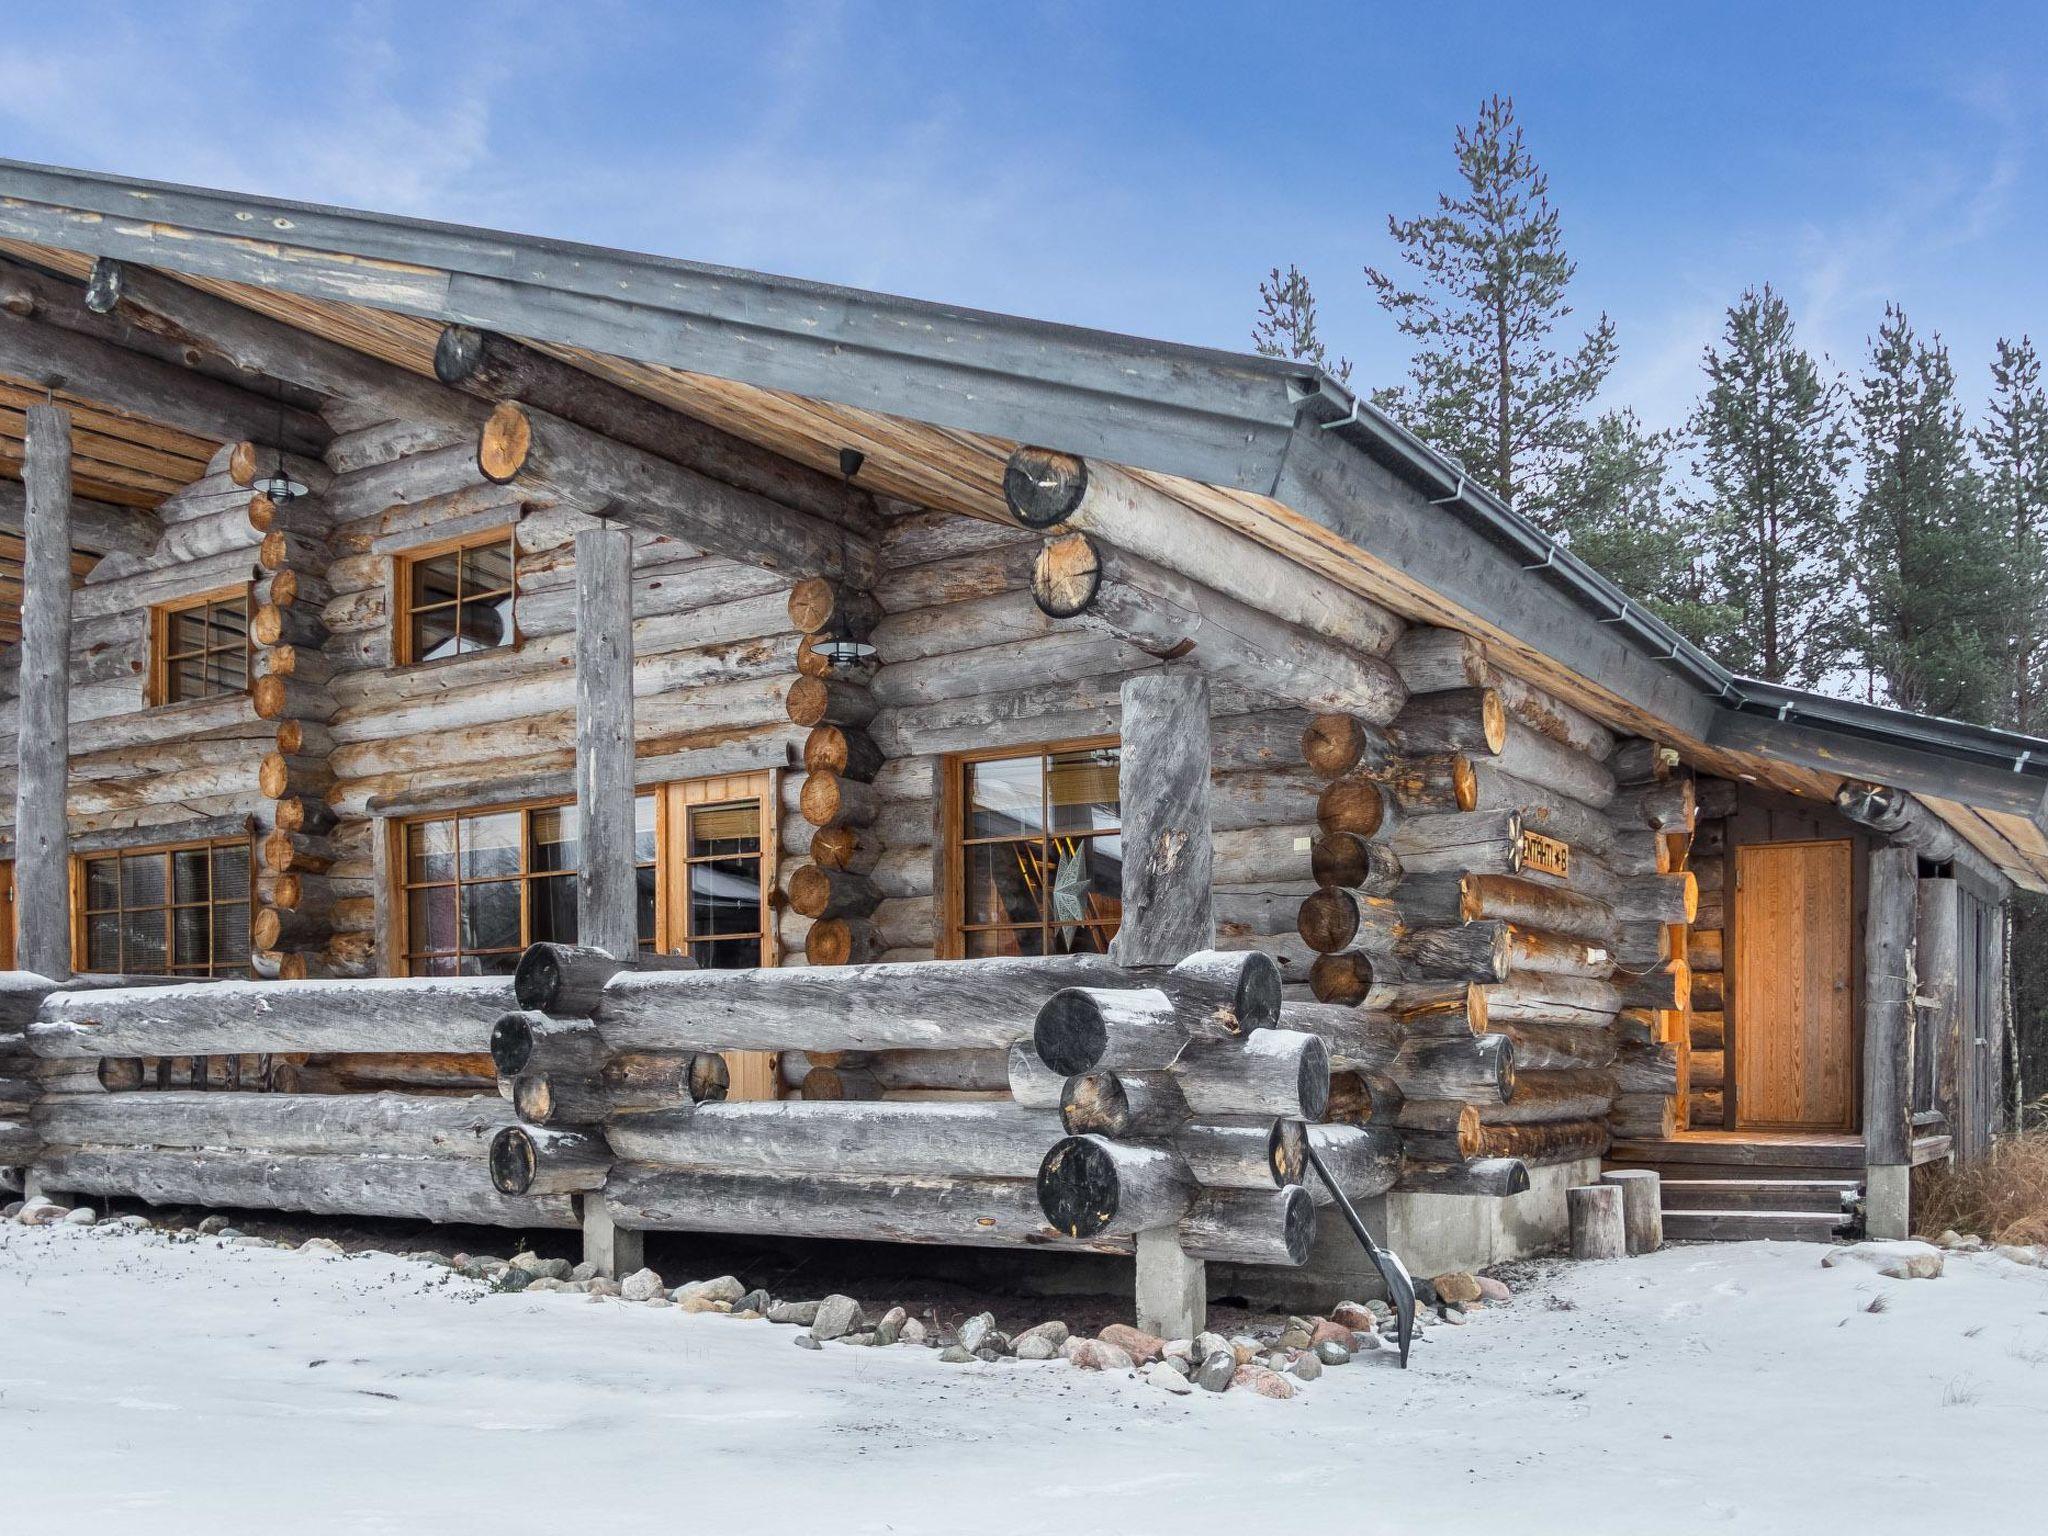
177 910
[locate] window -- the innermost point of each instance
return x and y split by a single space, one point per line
479 887
456 599
200 648
1038 862
717 905
174 911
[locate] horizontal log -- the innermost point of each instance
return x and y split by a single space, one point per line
1120 1105
1643 1117
1646 1069
1249 1226
1357 1039
1557 1095
815 891
1641 761
1332 919
976 1213
834 942
526 1041
1531 949
1467 720
1536 759
1334 744
1703 950
1706 1069
1479 842
1664 807
1432 660
1492 1176
905 1140
1364 1098
537 1160
1351 860
1476 1069
1546 1047
1530 903
625 1084
1538 998
387 1124
1544 1145
815 701
1364 1160
1709 1031
417 1189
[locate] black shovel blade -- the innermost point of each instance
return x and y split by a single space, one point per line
1400 1288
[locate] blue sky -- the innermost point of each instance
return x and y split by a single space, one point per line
1136 167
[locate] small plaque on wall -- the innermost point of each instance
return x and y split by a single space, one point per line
1546 855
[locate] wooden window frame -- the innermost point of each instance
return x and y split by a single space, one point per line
401 594
158 687
80 954
678 800
949 841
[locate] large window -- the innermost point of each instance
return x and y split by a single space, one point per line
199 649
1038 861
481 886
456 599
172 911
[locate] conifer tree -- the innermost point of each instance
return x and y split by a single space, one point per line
1933 587
1483 295
2013 445
1771 447
1287 328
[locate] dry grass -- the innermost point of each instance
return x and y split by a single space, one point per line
2003 1199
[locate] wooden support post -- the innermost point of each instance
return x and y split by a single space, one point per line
1163 782
42 838
606 900
1937 1035
1889 924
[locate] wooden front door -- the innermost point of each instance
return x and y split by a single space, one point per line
1795 1050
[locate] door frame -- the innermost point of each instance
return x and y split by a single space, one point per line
1732 961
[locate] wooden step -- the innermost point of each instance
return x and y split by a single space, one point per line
1817 1196
1734 1151
1738 1172
1742 1226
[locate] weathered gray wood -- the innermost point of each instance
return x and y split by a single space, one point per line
95 525
1493 1176
420 1189
1894 814
386 1124
1365 1160
541 1160
993 1140
975 1213
1642 1207
1938 1048
1123 1104
1477 1068
1090 1186
1032 1083
1890 917
1250 1226
1281 1074
1536 759
529 448
606 889
966 1071
42 855
1477 842
526 1041
1083 577
1169 853
1438 660
1598 1230
220 1018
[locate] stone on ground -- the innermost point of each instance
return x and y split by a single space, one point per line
1142 1347
1899 1259
836 1315
641 1285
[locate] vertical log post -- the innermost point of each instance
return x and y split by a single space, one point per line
1888 932
42 838
1937 1037
606 898
1168 914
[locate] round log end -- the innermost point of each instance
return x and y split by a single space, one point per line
810 662
537 979
810 890
841 941
1315 1078
1078 1187
266 929
262 513
512 1042
275 549
533 1098
808 701
821 798
268 695
458 354
811 602
1043 487
1258 994
1465 782
244 460
1287 1152
267 628
1353 805
1070 1034
273 776
1338 859
514 1160
826 750
1692 894
287 891
120 1074
710 1079
1500 1049
284 588
1094 1103
1333 744
1066 576
1345 978
1493 720
505 443
1328 920
836 847
291 737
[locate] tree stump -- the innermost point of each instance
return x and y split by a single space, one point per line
1642 1207
1596 1221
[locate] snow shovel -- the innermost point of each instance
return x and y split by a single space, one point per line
1400 1289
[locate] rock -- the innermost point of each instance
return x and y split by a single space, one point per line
1180 1349
80 1216
40 1213
1276 1360
1456 1288
584 1271
319 1245
1365 1341
1455 1318
1041 1341
1162 1375
836 1315
657 1301
1216 1370
1266 1383
212 1224
1180 1363
695 1304
1246 1348
805 1341
546 1283
549 1269
641 1285
1293 1337
240 1241
141 1224
2012 1252
802 1313
1379 1309
890 1328
11 1209
1142 1347
864 1340
954 1354
603 1285
756 1300
913 1332
725 1288
1902 1259
1095 1355
1330 1352
988 1356
975 1331
1351 1315
1326 1331
1493 1290
1207 1344
1308 1367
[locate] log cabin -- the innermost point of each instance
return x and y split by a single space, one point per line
504 730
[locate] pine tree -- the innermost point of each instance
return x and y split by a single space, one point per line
1772 446
1286 326
1489 272
1625 522
2014 448
1930 559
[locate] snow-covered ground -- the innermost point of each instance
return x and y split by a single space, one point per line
150 1386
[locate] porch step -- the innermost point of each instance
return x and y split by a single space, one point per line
1825 1197
1797 1158
1743 1226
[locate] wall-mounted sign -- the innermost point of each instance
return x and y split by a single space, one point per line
1546 855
